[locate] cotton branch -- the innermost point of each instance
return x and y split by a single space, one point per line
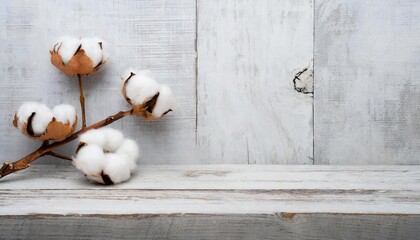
46 149
82 100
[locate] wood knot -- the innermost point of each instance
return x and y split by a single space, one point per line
288 215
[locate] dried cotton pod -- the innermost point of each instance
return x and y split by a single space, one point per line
105 156
79 56
149 99
37 121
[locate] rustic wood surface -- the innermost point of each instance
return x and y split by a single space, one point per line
248 55
241 92
150 34
215 202
243 74
367 85
186 227
216 189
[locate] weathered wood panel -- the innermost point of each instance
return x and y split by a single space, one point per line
150 34
367 89
214 202
227 177
248 108
185 227
219 189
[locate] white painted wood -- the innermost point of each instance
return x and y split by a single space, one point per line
148 34
367 89
218 189
186 227
248 54
227 176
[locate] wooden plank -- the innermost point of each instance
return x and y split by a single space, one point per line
248 55
271 189
367 90
272 226
202 177
149 34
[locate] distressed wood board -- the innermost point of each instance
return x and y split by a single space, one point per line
148 34
185 227
233 67
216 189
162 36
214 202
367 89
248 108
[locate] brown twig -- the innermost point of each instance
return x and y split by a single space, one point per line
58 155
46 149
82 101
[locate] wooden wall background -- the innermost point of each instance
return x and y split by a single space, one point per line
244 72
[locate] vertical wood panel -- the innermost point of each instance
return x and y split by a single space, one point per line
248 54
150 34
367 86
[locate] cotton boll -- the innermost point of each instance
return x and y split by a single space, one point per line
141 87
67 46
130 150
25 111
95 136
113 137
41 119
165 102
90 160
117 168
92 49
65 113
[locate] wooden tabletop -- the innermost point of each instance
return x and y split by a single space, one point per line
216 189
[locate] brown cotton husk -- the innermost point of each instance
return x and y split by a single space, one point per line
124 91
26 127
80 63
58 131
145 109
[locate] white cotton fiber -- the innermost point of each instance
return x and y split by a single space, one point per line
107 151
164 102
65 113
113 139
105 54
92 49
42 118
67 47
90 160
25 111
141 87
94 136
117 168
130 150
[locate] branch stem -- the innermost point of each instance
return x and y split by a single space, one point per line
82 100
46 149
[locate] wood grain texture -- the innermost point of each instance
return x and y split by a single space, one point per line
218 189
186 227
367 89
248 54
149 34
